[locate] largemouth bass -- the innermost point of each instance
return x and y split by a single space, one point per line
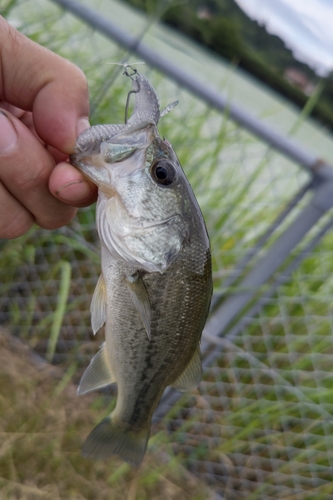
155 288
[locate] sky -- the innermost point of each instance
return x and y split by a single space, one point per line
306 26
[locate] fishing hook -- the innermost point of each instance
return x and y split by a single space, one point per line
133 76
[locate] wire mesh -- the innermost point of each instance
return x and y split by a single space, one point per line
260 424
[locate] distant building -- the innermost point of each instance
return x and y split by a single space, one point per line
206 10
299 79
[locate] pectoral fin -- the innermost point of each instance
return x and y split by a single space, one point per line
98 305
98 374
140 299
191 376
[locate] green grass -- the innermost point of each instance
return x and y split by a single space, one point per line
42 425
268 400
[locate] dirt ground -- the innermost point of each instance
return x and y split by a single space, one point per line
42 426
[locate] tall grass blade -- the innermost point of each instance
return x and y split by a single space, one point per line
65 279
65 380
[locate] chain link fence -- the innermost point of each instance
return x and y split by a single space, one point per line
260 424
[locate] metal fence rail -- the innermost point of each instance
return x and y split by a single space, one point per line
266 351
192 83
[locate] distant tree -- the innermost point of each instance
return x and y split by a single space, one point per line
328 89
224 38
232 34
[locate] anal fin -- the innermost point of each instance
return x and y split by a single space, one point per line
98 305
140 299
97 374
191 376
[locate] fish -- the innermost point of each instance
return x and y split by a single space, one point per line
155 287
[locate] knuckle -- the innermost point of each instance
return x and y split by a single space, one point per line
57 218
16 226
31 179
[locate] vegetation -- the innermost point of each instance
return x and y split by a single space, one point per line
223 27
42 426
260 424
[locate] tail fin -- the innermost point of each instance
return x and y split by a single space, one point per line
109 438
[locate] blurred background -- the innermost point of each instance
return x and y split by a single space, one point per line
260 424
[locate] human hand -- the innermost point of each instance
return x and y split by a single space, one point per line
43 108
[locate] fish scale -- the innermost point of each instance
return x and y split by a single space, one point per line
131 348
156 283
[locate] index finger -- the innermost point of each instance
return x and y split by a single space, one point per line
55 90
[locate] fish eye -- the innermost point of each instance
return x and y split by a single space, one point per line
163 172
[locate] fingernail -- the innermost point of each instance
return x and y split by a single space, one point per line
75 192
8 135
82 124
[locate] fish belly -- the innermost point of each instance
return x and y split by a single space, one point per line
144 367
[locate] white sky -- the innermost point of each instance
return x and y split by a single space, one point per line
306 26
